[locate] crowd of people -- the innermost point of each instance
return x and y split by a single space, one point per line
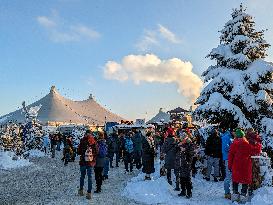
227 154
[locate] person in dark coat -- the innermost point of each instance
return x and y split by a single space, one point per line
213 150
127 150
114 145
137 140
100 161
169 149
183 164
148 147
68 152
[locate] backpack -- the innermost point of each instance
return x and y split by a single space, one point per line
102 149
129 146
89 154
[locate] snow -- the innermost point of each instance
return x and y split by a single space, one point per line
263 196
267 124
258 69
33 111
36 153
217 103
158 191
7 162
4 119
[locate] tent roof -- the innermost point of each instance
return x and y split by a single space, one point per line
56 108
178 110
160 116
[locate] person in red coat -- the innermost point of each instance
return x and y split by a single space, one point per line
87 150
240 164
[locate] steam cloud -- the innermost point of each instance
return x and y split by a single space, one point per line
150 68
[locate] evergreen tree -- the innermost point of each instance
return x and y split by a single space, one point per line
240 84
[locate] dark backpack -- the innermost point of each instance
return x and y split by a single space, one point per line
102 149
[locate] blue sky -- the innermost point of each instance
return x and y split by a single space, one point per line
67 43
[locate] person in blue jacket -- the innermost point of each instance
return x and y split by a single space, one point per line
226 142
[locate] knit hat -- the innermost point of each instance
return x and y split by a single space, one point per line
239 133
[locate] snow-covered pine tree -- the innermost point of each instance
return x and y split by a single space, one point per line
32 133
240 85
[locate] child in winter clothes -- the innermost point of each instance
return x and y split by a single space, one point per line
183 164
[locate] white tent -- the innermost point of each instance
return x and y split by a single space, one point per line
56 108
160 117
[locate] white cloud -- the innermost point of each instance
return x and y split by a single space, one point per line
61 31
151 38
46 22
150 68
167 34
148 39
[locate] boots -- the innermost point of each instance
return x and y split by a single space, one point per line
98 190
88 195
182 193
228 196
235 197
80 192
177 186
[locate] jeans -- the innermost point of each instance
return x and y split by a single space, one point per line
137 158
98 177
169 176
67 158
58 146
186 185
213 162
106 167
128 159
83 170
112 158
227 179
53 150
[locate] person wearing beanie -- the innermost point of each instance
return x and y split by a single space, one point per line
240 164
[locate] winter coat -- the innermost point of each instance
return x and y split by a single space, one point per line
226 142
68 147
169 148
137 140
116 143
183 160
239 160
213 146
86 141
46 142
100 160
148 148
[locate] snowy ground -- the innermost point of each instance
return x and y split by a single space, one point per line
48 182
7 162
158 191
